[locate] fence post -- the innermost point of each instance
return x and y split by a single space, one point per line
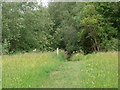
57 51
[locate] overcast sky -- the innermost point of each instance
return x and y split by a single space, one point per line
44 2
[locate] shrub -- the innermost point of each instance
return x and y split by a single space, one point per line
5 47
77 57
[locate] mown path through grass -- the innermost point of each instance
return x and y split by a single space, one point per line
66 75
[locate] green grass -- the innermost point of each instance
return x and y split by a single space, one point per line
0 72
94 71
28 70
48 70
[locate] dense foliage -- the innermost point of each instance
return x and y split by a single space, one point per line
74 27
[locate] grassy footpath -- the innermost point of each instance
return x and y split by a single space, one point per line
28 70
94 71
47 70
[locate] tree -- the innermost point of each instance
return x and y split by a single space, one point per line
71 26
23 29
96 29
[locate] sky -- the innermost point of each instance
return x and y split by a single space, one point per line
44 2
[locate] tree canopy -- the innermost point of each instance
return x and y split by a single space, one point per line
72 26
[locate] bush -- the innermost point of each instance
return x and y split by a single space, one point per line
77 57
110 45
5 47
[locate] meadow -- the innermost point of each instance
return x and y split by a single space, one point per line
48 70
28 70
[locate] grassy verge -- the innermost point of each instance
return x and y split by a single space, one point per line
28 70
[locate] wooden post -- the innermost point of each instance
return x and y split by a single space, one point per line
57 51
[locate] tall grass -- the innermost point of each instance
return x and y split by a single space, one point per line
36 70
28 70
98 70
